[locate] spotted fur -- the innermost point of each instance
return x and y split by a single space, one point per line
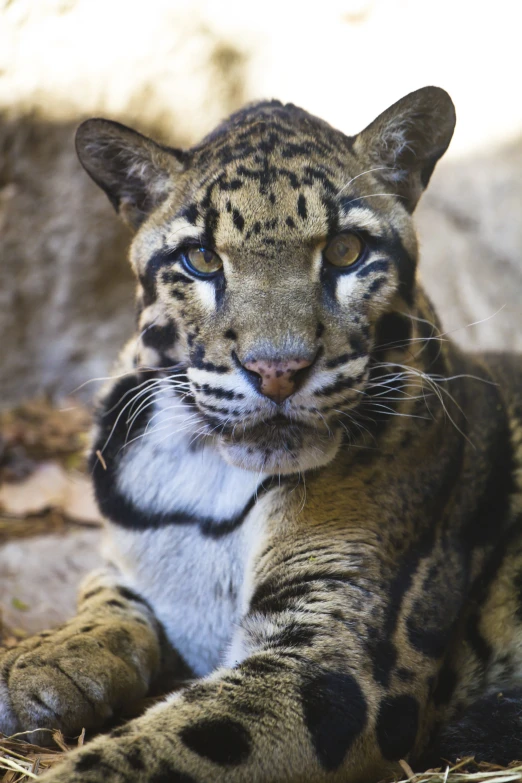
336 574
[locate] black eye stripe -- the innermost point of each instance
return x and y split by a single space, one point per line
380 265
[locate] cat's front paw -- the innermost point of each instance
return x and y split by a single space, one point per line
135 757
75 677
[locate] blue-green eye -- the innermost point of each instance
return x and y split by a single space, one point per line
202 261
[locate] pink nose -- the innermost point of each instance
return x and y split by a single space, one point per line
277 378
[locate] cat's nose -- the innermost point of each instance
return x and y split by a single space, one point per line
278 379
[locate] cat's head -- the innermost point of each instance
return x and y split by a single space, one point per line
270 259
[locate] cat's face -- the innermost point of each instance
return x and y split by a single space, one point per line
269 258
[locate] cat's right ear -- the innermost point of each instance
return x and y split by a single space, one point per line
405 142
136 173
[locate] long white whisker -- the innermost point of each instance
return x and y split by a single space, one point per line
368 171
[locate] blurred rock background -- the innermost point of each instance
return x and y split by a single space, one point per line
172 69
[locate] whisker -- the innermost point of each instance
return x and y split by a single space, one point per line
368 171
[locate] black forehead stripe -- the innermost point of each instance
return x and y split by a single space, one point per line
211 224
190 213
332 215
315 173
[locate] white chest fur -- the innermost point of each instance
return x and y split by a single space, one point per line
197 583
166 471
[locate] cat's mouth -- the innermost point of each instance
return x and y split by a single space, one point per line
280 444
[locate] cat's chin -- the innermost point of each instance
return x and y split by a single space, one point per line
282 451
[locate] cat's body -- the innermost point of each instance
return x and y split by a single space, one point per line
313 499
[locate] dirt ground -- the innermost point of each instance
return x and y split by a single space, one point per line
49 525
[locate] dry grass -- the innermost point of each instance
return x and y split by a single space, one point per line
21 762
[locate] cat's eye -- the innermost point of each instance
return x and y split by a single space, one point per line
344 250
202 261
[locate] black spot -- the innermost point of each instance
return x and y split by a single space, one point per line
148 278
290 222
446 683
220 394
114 602
393 330
230 334
130 595
92 593
375 286
221 740
432 618
238 220
293 635
343 358
384 658
134 757
197 358
397 724
87 761
191 213
170 276
319 331
177 294
301 207
121 731
335 712
341 385
165 773
87 628
406 675
262 665
161 338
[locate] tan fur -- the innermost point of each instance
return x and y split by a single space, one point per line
342 565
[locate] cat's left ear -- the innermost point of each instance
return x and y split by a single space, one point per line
407 140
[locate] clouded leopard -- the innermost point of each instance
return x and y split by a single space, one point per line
312 496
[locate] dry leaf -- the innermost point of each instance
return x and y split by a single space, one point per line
50 486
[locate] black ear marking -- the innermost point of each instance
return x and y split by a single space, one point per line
135 172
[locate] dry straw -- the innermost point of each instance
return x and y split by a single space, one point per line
21 762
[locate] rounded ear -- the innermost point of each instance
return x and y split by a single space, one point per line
407 140
135 172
